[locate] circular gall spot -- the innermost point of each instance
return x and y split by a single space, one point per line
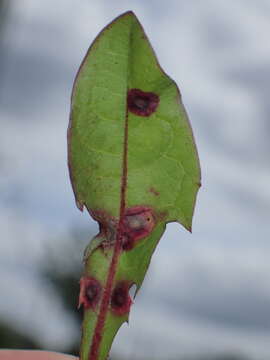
120 300
90 291
138 223
142 103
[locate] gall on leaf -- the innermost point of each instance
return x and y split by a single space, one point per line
142 103
90 292
138 222
120 299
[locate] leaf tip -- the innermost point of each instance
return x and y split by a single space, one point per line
128 13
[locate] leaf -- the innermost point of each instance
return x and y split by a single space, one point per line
133 164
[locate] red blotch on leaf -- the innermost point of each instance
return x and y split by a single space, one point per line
142 103
138 222
90 292
121 300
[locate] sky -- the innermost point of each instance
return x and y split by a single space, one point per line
205 292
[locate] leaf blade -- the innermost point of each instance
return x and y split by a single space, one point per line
133 164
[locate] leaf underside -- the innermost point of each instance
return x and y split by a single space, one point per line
133 164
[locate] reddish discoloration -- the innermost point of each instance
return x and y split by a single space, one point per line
142 103
138 222
120 300
90 292
154 191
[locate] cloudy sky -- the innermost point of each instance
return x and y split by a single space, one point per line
205 292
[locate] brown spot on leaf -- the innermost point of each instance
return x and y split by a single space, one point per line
142 103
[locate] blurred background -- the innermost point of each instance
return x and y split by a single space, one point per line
206 295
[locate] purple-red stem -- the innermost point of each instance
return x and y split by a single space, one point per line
97 337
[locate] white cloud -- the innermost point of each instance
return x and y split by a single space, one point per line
162 334
32 308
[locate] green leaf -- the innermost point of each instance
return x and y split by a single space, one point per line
134 166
